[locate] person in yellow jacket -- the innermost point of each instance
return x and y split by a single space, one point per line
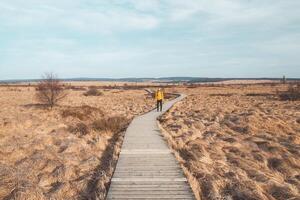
159 97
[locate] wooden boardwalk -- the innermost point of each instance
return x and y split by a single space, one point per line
146 168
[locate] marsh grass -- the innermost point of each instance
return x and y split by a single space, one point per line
237 147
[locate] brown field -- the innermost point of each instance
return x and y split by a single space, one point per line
65 153
234 142
237 142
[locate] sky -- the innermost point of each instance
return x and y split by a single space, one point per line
149 38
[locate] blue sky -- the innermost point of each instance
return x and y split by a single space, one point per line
149 38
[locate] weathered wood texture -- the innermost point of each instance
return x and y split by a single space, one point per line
146 168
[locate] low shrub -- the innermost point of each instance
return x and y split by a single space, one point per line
79 129
170 96
82 112
222 95
186 154
258 94
236 191
281 192
275 163
93 91
292 94
75 88
113 124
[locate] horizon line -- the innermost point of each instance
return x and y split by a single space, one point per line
150 78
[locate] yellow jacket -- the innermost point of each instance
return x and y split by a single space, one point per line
159 95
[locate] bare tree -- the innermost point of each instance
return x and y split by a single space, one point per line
50 90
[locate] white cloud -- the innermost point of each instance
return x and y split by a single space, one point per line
118 15
110 21
143 5
79 19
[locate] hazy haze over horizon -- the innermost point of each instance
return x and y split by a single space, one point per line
149 38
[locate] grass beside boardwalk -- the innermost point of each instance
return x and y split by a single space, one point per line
237 141
67 152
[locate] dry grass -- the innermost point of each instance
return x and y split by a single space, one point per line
58 154
237 142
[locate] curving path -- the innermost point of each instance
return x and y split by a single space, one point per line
146 168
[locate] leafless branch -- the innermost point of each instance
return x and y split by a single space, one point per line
50 90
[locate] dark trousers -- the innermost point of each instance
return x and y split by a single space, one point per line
159 105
